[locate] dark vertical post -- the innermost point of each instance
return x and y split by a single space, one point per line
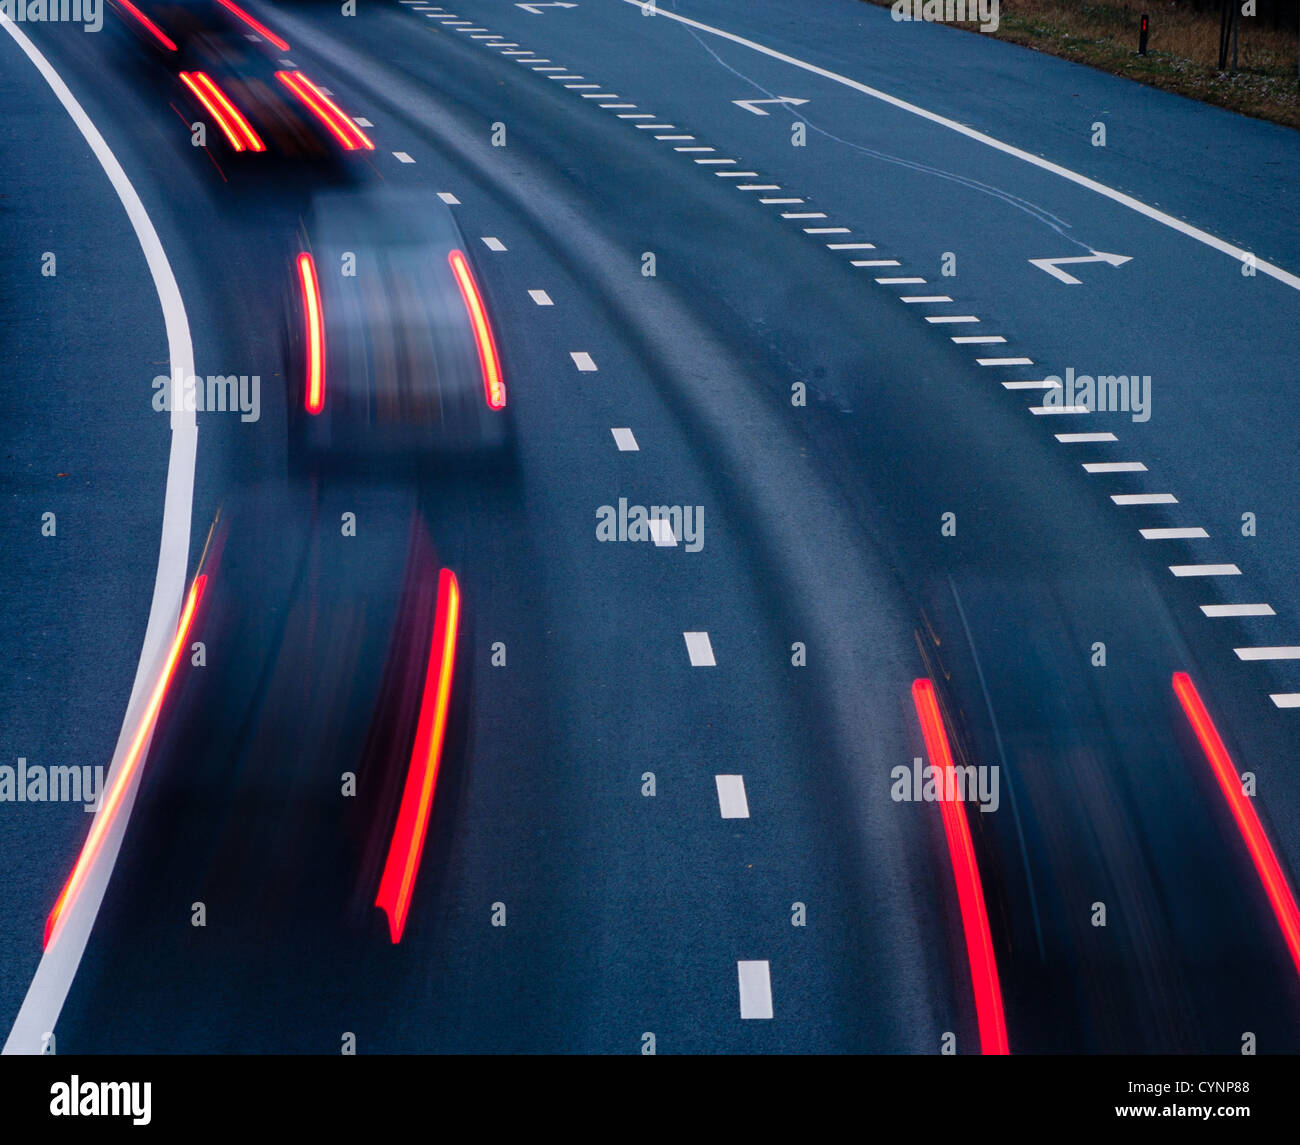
1142 36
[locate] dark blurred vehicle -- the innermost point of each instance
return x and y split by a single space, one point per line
389 349
297 726
259 105
234 75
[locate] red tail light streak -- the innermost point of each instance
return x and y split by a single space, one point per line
407 844
1280 895
156 32
314 391
233 125
494 387
121 782
341 126
970 891
260 29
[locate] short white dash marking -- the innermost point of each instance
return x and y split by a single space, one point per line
803 214
362 122
1205 570
736 174
914 298
826 230
540 297
625 440
686 149
937 318
755 989
448 198
719 161
699 648
850 246
1144 499
493 243
1278 652
402 157
1222 610
731 796
1045 384
661 532
977 339
1178 534
900 281
1285 699
1075 438
583 361
1114 467
1047 411
1005 361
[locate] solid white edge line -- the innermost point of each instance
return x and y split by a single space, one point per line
1237 253
45 996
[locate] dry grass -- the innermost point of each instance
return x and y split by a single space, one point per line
1183 49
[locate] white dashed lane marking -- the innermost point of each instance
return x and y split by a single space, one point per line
900 281
1073 438
937 318
448 198
1205 570
913 299
978 339
540 297
661 532
1280 652
625 440
493 243
1005 361
583 361
1045 384
361 122
1227 610
731 796
755 989
699 649
852 246
402 157
1114 467
1144 499
1048 411
1191 534
1285 699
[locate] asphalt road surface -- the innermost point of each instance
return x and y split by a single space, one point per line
814 320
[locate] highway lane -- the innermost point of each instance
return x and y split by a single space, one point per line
706 362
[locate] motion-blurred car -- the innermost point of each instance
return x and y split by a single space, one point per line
289 755
233 74
259 105
390 353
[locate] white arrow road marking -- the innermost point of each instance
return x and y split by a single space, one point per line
1161 217
1053 265
753 104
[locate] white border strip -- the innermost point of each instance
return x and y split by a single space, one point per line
1284 276
58 966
